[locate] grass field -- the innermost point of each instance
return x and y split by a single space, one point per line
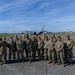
6 35
63 34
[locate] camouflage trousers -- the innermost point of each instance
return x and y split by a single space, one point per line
34 53
46 54
69 55
41 53
51 55
28 54
60 57
4 55
20 54
12 53
0 56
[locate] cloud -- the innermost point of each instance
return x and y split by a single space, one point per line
21 15
17 4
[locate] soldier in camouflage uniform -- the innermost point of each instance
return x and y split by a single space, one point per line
68 49
54 40
0 54
36 36
51 51
20 48
40 48
34 47
15 38
28 47
12 48
43 37
0 57
59 46
24 39
46 47
3 49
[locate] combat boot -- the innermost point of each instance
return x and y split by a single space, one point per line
0 63
53 63
58 63
29 61
49 62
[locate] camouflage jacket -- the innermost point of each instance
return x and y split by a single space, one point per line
20 45
12 45
28 43
34 44
45 44
40 44
69 44
3 46
59 46
51 45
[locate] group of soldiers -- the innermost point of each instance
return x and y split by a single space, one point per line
47 48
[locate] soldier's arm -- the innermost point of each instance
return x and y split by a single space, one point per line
56 46
53 47
71 46
62 47
17 45
30 44
42 44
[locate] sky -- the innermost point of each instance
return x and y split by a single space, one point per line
32 15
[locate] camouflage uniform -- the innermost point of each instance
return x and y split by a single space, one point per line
59 46
46 49
20 47
24 40
0 54
55 54
12 49
51 51
28 49
34 48
41 49
3 50
16 39
68 49
54 39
